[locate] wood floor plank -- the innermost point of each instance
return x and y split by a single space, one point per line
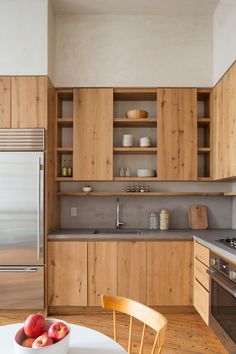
186 334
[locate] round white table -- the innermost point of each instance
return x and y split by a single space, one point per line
83 340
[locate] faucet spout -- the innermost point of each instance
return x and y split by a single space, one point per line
119 223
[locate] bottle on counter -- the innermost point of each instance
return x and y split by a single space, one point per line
153 221
164 219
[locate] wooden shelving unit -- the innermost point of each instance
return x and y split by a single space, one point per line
146 157
64 130
139 194
204 134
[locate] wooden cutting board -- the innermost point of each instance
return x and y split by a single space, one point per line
197 216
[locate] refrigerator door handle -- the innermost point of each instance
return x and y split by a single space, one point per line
38 208
17 269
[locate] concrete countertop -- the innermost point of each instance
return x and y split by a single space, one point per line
207 238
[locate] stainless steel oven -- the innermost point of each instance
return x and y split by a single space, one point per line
223 301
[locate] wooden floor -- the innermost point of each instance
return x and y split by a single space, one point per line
186 333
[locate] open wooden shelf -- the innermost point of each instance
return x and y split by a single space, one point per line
203 150
141 179
64 179
150 194
135 150
202 122
230 194
65 122
65 150
204 179
135 122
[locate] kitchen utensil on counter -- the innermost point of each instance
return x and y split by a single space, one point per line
127 140
145 141
197 216
137 113
146 172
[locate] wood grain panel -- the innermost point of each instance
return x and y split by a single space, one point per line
169 273
201 301
67 273
224 126
93 134
102 271
201 253
132 270
5 102
177 134
29 101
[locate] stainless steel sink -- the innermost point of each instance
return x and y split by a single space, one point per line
117 232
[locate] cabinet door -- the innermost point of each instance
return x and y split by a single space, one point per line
177 134
132 279
201 300
5 102
29 102
169 273
102 271
93 134
67 273
224 126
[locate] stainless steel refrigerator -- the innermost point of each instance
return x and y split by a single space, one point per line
21 219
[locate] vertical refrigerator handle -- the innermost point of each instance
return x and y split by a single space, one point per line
38 207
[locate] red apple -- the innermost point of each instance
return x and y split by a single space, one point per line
34 325
57 331
42 341
28 342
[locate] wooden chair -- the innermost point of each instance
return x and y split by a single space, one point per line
145 314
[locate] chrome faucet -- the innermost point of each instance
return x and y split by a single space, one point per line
118 221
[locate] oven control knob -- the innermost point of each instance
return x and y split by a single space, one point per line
214 261
232 275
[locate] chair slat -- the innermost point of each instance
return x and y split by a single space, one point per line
114 326
142 339
156 341
130 335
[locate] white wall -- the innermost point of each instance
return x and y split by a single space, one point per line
51 41
224 43
23 37
113 50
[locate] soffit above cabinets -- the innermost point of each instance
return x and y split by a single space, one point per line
136 7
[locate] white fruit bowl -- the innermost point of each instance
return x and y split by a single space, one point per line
60 347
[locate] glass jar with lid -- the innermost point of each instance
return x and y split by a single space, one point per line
164 219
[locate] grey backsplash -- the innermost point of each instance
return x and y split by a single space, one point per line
100 212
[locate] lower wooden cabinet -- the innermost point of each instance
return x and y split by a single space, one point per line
132 270
67 273
169 273
201 281
102 271
154 273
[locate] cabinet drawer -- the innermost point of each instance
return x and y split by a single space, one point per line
201 253
201 301
200 274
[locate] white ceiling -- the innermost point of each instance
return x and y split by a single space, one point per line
136 7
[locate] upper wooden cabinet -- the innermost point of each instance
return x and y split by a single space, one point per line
29 102
5 102
93 134
177 134
224 126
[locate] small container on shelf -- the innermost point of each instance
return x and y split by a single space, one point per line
64 171
153 221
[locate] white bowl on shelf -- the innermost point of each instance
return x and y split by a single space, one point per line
87 189
146 172
61 347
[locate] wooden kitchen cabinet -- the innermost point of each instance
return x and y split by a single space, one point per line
29 101
93 134
67 273
5 102
177 134
102 271
224 126
201 296
132 270
169 273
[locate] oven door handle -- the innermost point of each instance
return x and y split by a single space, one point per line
220 279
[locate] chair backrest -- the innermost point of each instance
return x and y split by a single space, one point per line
145 314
